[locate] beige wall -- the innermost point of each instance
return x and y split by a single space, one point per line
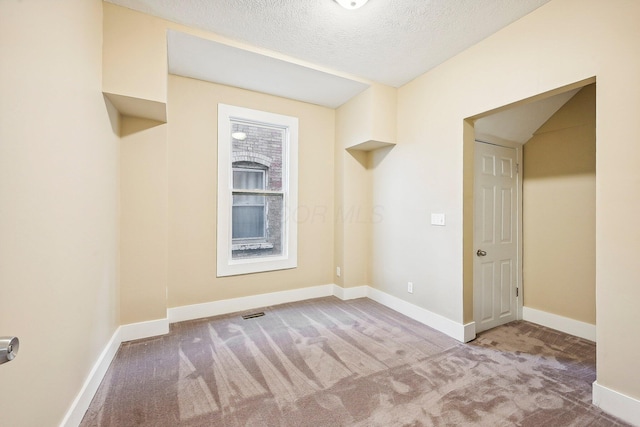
169 187
192 154
353 192
143 221
354 217
58 205
367 117
559 207
135 54
563 42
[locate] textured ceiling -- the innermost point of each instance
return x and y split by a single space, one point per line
386 41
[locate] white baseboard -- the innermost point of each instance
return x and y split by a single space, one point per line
216 308
350 293
560 323
124 333
456 330
82 401
617 404
469 331
463 333
151 328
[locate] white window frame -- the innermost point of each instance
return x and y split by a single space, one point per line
226 265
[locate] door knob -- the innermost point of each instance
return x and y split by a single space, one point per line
480 252
8 349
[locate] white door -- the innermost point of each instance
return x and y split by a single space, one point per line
496 264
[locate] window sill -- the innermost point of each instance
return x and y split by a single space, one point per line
251 246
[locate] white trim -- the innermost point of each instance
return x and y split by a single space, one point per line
617 404
82 401
520 204
560 323
350 293
226 266
215 308
129 332
469 331
446 326
151 328
463 333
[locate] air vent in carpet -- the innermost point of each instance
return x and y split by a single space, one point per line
253 315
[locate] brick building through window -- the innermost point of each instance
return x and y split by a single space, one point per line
257 211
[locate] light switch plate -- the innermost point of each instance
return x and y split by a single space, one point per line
437 219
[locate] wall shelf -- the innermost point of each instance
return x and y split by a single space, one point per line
137 107
370 145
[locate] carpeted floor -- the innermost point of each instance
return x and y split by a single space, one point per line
327 362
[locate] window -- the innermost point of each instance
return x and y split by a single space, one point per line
248 212
257 190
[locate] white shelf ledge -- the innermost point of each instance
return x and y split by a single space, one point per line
371 145
137 107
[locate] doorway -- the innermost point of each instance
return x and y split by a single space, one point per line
557 288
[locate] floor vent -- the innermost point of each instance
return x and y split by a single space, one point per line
253 315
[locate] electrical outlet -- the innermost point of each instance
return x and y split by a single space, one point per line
338 271
410 287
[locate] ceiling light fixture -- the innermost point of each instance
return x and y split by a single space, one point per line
351 4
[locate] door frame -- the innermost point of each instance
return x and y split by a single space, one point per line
492 140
